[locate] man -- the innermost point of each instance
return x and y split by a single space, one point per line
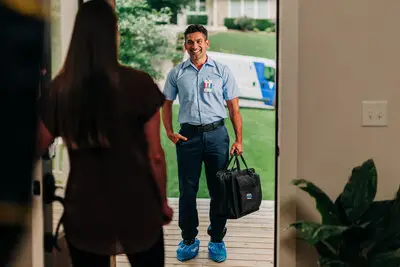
202 85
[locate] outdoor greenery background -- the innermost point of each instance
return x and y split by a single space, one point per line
143 41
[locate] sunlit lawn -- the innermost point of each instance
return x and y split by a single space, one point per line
259 44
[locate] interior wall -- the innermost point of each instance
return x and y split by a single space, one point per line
348 52
288 129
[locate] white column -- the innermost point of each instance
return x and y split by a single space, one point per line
272 9
182 18
255 9
215 13
241 8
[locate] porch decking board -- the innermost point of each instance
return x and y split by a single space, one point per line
249 240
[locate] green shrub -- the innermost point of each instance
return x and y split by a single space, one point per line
197 19
273 28
245 23
230 24
180 39
249 24
142 39
263 24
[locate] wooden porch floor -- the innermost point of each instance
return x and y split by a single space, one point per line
249 240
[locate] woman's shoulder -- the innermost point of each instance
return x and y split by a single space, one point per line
133 74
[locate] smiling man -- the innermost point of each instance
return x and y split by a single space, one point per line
203 85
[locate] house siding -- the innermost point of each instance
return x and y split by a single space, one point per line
223 11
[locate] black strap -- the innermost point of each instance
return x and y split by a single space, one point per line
229 162
241 156
236 162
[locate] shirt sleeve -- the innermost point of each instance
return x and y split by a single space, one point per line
170 87
230 88
152 99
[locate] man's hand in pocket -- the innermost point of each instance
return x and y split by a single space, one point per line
174 137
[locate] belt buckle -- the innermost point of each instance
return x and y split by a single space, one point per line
198 128
208 127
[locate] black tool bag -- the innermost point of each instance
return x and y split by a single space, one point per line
239 190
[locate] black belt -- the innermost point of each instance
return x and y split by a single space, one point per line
203 128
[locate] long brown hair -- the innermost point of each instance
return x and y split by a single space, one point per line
87 83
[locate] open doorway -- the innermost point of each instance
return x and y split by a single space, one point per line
243 36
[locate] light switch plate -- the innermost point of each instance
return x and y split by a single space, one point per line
375 113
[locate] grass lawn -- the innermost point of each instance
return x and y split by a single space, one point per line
259 44
258 143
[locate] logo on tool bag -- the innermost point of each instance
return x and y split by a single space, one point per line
249 196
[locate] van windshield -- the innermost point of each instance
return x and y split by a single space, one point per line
269 74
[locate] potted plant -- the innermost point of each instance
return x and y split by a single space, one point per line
355 230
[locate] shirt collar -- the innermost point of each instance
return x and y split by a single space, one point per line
209 62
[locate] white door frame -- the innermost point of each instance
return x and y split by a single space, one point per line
288 96
288 83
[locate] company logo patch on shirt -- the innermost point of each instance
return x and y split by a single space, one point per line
208 86
249 196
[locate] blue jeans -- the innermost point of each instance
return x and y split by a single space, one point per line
212 148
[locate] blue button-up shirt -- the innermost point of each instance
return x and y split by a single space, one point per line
201 92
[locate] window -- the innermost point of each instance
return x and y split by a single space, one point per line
192 5
269 74
263 9
202 5
197 7
249 8
235 9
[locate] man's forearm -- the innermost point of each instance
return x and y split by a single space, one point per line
236 119
167 117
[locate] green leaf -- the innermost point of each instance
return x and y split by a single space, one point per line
351 249
341 213
324 204
391 229
377 218
313 233
389 259
376 212
328 248
360 191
